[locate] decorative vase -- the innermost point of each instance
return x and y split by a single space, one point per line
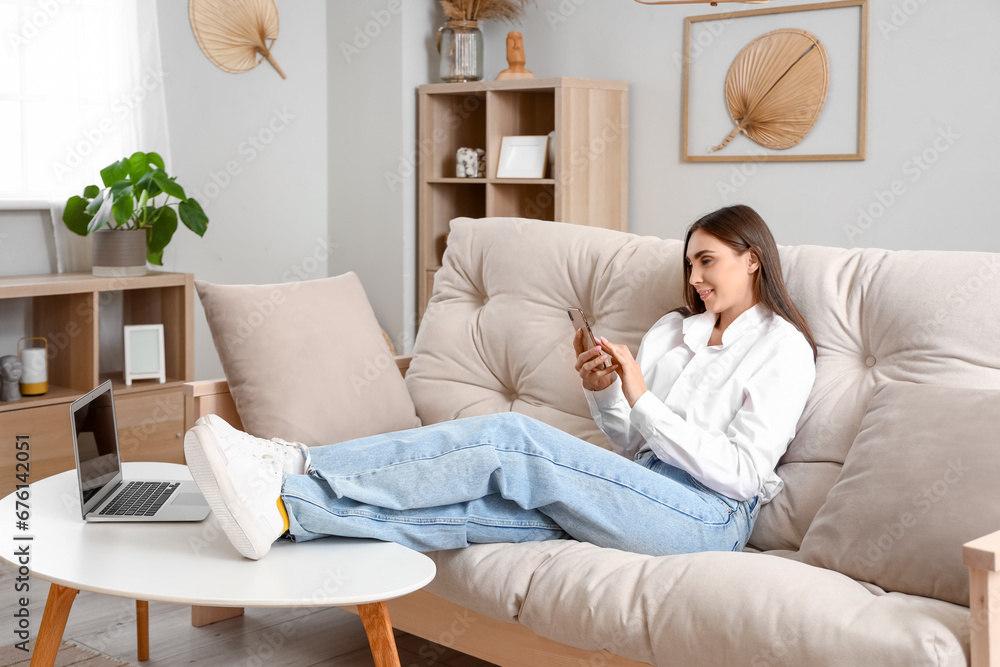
460 44
120 252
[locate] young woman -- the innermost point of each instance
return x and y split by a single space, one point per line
698 421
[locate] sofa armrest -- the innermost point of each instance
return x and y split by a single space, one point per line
982 556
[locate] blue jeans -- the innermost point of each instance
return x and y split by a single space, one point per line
507 477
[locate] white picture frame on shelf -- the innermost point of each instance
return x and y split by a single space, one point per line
144 355
523 156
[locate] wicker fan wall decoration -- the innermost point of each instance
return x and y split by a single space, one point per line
776 87
236 35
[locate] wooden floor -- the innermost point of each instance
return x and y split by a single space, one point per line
260 638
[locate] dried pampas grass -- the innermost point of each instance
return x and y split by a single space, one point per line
511 11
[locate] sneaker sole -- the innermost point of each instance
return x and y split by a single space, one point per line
209 471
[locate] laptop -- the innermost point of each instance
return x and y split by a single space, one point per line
104 493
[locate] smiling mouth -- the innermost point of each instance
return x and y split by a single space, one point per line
704 294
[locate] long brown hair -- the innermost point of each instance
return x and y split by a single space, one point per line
742 229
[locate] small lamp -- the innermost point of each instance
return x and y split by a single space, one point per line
34 367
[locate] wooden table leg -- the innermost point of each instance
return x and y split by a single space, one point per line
142 629
375 617
50 630
202 616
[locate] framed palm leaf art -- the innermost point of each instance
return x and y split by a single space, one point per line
776 84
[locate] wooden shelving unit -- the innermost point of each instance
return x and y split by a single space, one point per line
586 185
69 309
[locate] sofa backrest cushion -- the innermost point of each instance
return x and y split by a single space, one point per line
496 336
919 481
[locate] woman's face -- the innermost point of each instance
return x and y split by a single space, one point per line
716 269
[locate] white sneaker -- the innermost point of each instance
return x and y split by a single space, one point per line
294 456
241 481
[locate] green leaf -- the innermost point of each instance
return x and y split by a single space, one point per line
138 165
75 216
154 257
193 216
146 183
116 171
143 198
120 187
162 231
91 191
102 215
122 208
168 185
96 202
154 158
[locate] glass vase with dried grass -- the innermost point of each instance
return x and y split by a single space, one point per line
460 42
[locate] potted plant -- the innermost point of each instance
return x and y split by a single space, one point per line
132 228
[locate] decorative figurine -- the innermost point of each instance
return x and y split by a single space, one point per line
10 374
515 58
470 163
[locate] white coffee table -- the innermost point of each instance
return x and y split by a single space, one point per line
193 563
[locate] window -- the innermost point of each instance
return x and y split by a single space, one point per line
80 87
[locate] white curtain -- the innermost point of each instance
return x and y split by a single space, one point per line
81 85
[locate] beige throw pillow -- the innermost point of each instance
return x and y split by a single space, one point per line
919 481
306 361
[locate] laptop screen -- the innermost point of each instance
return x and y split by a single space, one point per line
96 442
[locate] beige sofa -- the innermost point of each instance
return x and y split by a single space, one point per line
496 337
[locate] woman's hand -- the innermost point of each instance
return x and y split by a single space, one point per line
588 364
633 385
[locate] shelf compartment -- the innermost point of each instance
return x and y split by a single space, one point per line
517 113
523 200
166 306
449 201
460 120
69 323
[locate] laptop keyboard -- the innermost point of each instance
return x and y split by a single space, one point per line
140 499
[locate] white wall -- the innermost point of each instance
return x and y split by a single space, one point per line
252 148
379 51
931 73
315 201
931 69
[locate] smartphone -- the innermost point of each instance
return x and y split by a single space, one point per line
579 320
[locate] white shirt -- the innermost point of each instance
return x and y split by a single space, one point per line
724 414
